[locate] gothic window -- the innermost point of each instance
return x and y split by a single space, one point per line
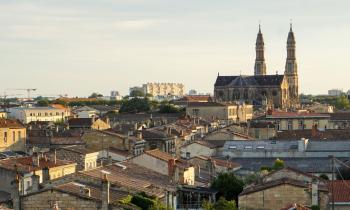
274 93
221 93
245 94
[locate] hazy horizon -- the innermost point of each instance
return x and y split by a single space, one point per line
80 47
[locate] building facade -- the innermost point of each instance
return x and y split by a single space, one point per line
231 113
12 135
29 114
280 91
161 89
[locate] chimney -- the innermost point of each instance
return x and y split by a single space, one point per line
302 144
139 135
314 131
105 192
314 193
36 160
15 194
35 182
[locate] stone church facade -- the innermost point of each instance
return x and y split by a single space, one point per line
275 91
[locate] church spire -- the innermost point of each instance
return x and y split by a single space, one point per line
291 69
260 66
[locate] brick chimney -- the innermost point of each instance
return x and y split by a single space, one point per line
15 194
105 192
172 168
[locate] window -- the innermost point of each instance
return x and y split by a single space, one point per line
248 147
46 114
232 147
290 125
278 123
5 136
260 147
13 136
301 125
195 112
57 113
19 135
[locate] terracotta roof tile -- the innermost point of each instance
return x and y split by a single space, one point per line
9 123
341 190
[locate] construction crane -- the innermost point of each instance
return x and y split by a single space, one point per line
5 99
29 90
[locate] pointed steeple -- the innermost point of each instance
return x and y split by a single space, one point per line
260 66
291 69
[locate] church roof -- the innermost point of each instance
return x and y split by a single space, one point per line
243 81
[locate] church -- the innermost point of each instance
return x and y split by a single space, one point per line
275 91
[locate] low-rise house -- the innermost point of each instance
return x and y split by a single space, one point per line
74 195
179 170
296 120
85 158
157 139
201 148
213 165
313 166
134 178
226 135
44 140
284 187
341 191
85 112
229 113
12 135
285 149
314 134
101 140
340 120
46 168
29 114
88 123
261 130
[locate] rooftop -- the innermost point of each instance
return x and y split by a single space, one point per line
279 114
79 149
133 177
26 164
274 183
9 123
341 191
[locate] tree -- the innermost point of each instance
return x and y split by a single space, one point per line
137 93
95 95
228 186
168 108
342 102
135 105
324 176
43 102
221 204
279 164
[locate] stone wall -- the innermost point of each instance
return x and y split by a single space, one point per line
279 197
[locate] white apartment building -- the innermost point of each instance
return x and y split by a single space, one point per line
335 92
29 114
161 89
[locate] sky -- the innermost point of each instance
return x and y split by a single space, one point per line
77 47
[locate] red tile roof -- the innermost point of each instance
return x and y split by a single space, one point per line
9 123
25 164
341 190
159 154
278 114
